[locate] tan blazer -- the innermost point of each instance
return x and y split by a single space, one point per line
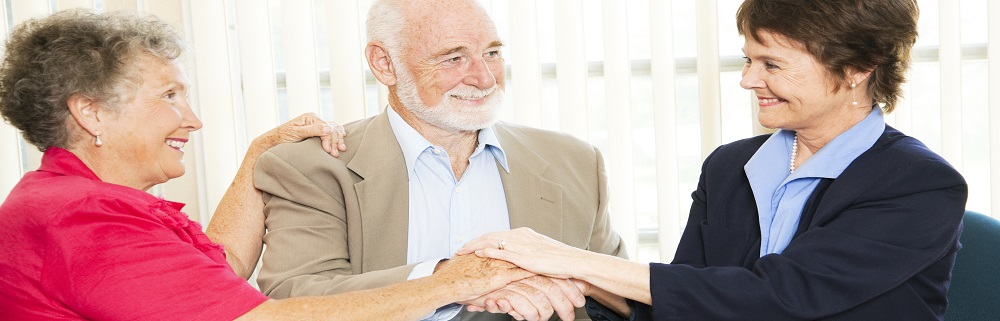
340 224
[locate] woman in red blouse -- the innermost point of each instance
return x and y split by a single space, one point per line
105 97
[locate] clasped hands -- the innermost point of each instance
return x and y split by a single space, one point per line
536 297
533 298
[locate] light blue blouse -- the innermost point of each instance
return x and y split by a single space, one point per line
781 196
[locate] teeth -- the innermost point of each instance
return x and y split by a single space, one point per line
175 144
468 97
769 101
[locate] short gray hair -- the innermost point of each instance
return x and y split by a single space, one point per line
385 24
48 60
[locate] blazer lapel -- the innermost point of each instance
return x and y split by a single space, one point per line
383 196
532 200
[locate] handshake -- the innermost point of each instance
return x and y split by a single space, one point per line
517 272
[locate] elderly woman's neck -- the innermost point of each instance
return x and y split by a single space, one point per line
109 168
811 140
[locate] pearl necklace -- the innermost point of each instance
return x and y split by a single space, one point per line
795 150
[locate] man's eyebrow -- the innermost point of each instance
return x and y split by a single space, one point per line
451 51
496 43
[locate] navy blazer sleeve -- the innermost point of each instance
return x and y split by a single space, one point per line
880 243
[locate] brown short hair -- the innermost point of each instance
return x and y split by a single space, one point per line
47 60
872 35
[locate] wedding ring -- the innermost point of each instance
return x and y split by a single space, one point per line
502 244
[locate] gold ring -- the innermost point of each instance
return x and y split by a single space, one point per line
502 244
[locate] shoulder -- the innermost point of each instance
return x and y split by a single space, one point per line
540 140
310 152
60 195
898 150
904 159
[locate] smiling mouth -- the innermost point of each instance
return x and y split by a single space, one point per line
176 144
765 102
473 94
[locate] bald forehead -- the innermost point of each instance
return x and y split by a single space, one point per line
435 15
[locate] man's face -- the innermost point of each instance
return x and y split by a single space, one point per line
451 73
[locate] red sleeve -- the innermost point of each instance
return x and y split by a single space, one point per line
112 261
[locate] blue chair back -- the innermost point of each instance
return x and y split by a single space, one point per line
975 280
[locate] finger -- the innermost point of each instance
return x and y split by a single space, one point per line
327 142
505 255
300 132
337 139
559 301
572 292
516 316
475 308
504 305
489 240
537 305
519 304
493 307
341 144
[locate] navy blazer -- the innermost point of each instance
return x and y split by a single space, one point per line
876 243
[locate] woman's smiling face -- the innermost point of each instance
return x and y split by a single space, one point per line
794 90
147 136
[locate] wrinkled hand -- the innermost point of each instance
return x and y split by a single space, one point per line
529 250
306 125
472 276
533 298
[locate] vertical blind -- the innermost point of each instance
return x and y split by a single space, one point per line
652 83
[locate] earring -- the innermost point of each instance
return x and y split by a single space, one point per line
97 141
853 97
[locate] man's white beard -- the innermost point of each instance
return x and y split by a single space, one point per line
446 115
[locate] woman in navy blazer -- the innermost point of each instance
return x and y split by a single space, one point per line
836 216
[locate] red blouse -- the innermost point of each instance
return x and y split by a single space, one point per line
73 247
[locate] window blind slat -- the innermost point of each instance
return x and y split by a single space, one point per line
571 68
993 56
257 67
950 55
21 10
10 165
526 79
302 78
709 88
346 61
665 125
215 101
902 116
617 79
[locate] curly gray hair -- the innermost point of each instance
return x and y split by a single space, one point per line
47 60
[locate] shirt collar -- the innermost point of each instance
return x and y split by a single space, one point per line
829 162
832 159
63 162
414 144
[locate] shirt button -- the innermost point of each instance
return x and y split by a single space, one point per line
437 151
458 189
460 239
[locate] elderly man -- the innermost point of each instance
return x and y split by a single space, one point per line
433 171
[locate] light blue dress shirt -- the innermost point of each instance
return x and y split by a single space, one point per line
444 212
781 196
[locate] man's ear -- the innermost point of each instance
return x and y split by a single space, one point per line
380 63
85 112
